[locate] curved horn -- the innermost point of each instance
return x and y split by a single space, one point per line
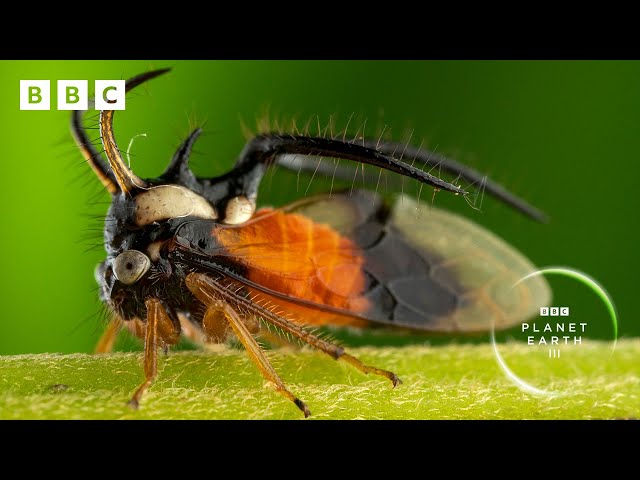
127 180
91 155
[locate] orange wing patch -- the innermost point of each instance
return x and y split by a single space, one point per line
292 255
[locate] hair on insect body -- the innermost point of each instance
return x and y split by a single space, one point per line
195 257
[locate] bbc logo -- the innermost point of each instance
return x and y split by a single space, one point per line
72 95
554 311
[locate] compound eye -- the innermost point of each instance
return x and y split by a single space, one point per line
130 266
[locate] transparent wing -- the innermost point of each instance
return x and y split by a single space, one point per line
431 269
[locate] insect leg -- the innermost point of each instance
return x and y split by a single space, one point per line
335 351
215 325
204 287
168 328
251 346
136 327
366 369
191 331
158 320
278 341
108 338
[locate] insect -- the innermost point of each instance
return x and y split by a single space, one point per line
192 256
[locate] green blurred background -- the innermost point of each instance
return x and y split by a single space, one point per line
563 135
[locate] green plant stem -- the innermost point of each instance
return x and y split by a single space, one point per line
455 381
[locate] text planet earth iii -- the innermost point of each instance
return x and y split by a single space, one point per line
192 256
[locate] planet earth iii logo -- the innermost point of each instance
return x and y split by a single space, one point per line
554 334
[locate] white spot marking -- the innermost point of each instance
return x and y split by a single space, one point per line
239 210
171 201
